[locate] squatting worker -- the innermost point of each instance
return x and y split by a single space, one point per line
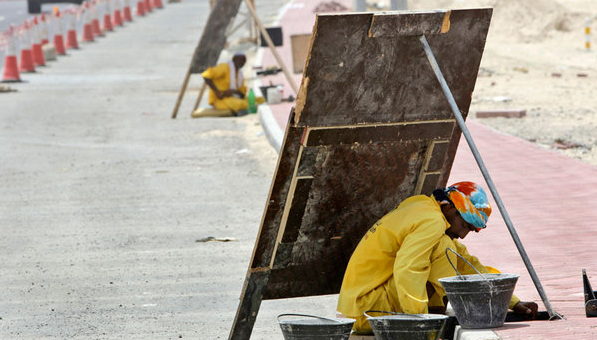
397 264
227 88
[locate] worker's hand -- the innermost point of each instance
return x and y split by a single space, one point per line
528 309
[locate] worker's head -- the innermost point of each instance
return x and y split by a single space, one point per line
465 206
239 59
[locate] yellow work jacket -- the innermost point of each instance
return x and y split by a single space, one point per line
400 246
220 75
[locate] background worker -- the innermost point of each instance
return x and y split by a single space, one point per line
397 264
227 90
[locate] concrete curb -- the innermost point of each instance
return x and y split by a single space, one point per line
272 129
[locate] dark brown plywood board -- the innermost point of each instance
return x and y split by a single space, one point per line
213 38
355 78
371 127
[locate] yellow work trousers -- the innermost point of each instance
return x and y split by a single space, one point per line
385 297
235 104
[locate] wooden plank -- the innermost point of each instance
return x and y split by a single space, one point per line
299 44
213 38
248 308
379 133
276 202
410 24
183 89
199 97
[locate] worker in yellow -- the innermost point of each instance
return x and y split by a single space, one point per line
397 264
227 90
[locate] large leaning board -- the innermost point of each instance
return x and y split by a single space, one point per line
371 127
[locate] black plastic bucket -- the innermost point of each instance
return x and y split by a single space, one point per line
479 300
305 327
396 326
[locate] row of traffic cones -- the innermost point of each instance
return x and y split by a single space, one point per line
33 34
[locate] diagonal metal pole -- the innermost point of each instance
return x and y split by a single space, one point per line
270 43
525 258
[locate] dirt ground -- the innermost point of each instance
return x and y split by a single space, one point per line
535 59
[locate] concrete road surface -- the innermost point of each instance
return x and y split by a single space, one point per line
103 197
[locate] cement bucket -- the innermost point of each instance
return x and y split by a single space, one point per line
397 326
479 300
306 327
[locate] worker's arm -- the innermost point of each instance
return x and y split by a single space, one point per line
219 71
222 94
412 265
213 87
527 308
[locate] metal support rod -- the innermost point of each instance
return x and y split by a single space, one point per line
438 73
270 43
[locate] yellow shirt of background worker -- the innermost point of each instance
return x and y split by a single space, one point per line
227 90
397 264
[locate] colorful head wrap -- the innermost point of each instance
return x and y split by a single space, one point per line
471 201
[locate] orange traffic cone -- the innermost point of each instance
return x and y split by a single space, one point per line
117 14
43 30
127 11
38 54
148 7
26 64
71 33
58 28
87 27
157 4
11 70
140 8
108 18
95 24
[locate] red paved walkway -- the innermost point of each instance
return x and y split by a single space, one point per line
550 199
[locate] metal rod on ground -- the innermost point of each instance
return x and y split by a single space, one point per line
199 98
267 38
181 93
438 73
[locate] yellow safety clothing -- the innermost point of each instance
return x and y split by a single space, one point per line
220 75
399 260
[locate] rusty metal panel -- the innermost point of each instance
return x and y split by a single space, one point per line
371 128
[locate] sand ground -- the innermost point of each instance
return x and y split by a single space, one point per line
535 59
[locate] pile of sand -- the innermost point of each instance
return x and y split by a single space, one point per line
518 21
535 59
